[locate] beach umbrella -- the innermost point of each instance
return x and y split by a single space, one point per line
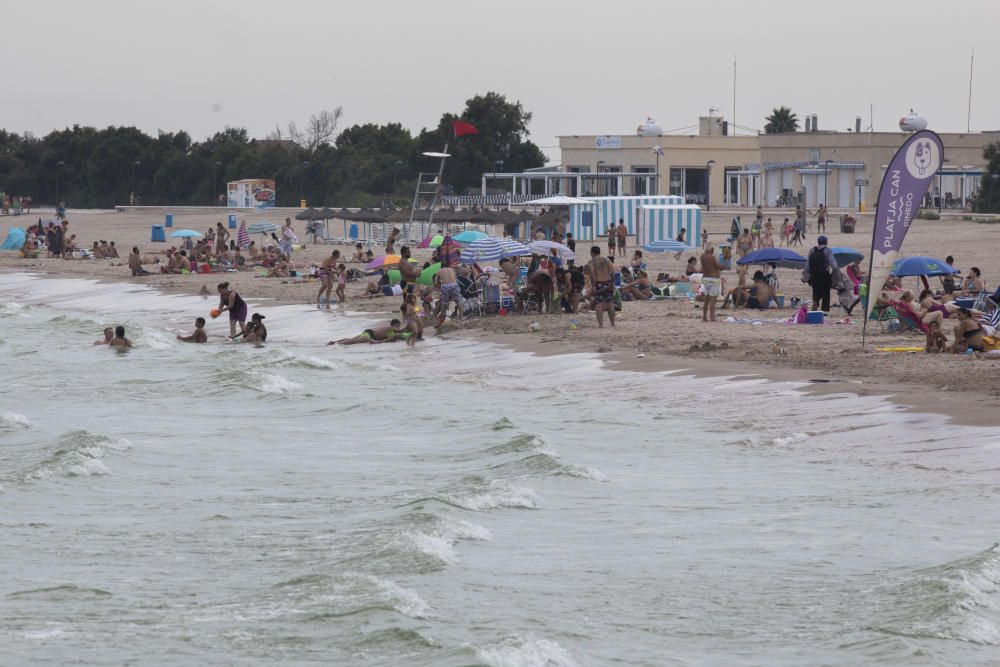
433 241
920 265
426 276
845 256
385 261
666 245
545 248
262 227
242 236
483 250
307 214
512 248
469 236
15 239
185 234
783 257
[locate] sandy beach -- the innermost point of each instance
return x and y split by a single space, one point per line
650 335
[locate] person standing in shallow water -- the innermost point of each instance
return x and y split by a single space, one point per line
237 307
711 271
599 270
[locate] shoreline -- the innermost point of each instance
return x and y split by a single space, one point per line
669 333
960 407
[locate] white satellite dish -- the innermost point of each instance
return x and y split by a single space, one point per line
432 154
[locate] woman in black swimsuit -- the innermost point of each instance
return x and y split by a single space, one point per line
237 307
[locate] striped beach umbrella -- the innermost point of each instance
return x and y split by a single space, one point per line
242 236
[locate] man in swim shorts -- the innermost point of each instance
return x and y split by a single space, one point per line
386 334
711 271
599 270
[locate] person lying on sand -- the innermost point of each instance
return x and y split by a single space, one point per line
387 334
199 335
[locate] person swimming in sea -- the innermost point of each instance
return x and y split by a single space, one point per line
109 335
199 335
387 334
120 340
256 332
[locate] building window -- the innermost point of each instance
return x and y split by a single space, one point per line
690 183
814 155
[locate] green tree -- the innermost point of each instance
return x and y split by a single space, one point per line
781 120
988 199
502 137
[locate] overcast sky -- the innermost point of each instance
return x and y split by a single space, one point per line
579 67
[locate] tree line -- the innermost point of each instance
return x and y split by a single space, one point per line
363 165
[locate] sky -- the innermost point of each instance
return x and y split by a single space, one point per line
580 67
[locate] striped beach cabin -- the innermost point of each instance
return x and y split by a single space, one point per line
588 222
657 223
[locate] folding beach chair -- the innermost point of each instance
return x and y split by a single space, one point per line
885 318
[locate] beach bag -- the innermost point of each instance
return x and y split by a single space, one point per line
799 317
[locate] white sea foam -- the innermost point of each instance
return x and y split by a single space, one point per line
402 599
498 495
528 652
790 439
270 383
14 420
79 454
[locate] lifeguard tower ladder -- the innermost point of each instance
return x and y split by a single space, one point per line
426 195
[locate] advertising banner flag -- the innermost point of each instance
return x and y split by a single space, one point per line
904 185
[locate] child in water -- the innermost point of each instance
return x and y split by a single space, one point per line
341 282
199 335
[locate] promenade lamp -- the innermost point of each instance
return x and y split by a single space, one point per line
59 166
134 165
658 151
826 179
215 182
302 171
708 184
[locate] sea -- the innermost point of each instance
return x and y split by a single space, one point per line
461 503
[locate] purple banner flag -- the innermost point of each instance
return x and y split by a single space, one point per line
903 188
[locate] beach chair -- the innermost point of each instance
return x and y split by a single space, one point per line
471 292
885 318
490 298
907 318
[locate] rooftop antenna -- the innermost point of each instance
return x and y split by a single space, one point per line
968 118
734 94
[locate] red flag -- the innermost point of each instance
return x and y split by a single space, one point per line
461 127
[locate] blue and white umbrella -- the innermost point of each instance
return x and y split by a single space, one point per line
546 247
185 234
491 249
666 245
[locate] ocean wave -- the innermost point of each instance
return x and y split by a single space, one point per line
957 600
10 421
543 460
270 383
526 652
492 495
439 540
77 454
61 592
790 439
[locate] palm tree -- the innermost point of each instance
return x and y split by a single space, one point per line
781 120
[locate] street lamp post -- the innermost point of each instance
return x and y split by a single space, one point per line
302 171
134 165
826 179
59 166
708 184
658 150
